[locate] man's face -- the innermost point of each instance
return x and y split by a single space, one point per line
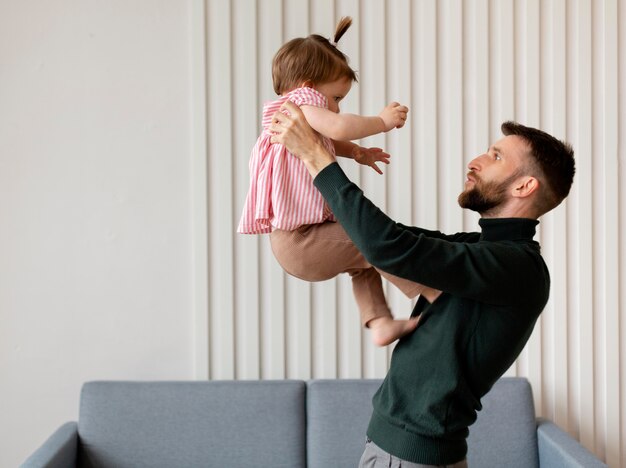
492 174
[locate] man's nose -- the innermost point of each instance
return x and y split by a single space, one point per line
474 164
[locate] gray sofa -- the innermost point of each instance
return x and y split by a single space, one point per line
278 424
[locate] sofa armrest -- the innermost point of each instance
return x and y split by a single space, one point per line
59 451
558 449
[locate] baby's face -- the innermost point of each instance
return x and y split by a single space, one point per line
335 91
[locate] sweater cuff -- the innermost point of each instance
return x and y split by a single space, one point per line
329 179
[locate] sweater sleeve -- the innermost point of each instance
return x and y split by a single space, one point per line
457 264
458 237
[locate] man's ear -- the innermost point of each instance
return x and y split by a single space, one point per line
525 186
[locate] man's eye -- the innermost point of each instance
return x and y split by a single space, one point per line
497 157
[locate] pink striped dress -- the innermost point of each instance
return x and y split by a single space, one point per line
281 193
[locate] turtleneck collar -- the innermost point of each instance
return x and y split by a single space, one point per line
497 229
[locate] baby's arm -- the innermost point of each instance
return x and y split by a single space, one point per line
366 156
344 148
347 127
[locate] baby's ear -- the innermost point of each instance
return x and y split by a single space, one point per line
307 84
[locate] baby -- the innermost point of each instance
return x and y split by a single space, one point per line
282 200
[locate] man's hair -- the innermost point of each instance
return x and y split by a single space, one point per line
313 58
552 163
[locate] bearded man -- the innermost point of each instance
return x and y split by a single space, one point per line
493 283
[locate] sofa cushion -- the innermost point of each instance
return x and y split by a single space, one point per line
338 414
193 424
505 432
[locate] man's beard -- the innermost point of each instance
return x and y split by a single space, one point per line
485 196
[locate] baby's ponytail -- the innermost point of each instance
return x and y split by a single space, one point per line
342 27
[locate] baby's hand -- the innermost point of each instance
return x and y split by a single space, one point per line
370 156
394 116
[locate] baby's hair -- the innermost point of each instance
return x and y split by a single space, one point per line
312 59
342 27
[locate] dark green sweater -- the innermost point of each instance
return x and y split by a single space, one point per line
495 284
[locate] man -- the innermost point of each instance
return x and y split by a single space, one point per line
494 285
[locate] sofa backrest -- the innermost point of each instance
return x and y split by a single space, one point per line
505 433
193 424
281 424
338 413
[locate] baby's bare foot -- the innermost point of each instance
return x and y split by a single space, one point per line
386 330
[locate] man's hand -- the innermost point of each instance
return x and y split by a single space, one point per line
294 132
394 116
370 156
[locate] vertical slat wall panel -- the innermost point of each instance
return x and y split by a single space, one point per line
200 193
580 332
462 67
245 99
621 253
609 290
221 126
425 113
450 102
599 221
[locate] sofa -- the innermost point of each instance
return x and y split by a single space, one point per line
278 424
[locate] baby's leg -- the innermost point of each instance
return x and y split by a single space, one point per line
321 251
411 289
316 252
408 287
375 314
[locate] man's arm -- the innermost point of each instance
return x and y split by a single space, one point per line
462 268
458 237
484 271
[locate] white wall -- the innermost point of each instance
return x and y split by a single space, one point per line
462 67
95 205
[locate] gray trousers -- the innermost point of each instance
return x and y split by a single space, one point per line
375 457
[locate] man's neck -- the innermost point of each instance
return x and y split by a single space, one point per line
510 210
